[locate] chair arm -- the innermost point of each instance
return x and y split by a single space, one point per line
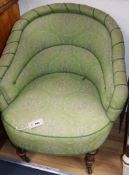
119 96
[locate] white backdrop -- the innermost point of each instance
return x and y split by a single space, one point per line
118 9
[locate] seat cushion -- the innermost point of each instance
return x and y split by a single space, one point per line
70 107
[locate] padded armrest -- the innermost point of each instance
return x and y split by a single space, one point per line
120 92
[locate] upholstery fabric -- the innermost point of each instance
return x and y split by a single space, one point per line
69 108
63 63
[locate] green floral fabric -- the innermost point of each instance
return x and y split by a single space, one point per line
63 63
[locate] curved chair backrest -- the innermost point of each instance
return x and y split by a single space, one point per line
66 38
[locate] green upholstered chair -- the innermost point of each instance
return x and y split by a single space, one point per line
63 63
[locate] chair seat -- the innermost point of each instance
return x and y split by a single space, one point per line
69 105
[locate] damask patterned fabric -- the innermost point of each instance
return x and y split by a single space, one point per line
63 63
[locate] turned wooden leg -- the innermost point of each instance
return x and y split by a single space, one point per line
22 154
89 159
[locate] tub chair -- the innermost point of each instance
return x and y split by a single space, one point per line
63 64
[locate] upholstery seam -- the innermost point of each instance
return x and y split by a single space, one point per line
4 65
119 71
121 42
35 12
7 54
16 30
117 59
57 46
57 136
105 19
66 7
116 85
93 13
46 75
79 8
117 28
11 42
5 98
51 8
27 20
115 108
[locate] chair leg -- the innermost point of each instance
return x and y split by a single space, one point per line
22 154
89 159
